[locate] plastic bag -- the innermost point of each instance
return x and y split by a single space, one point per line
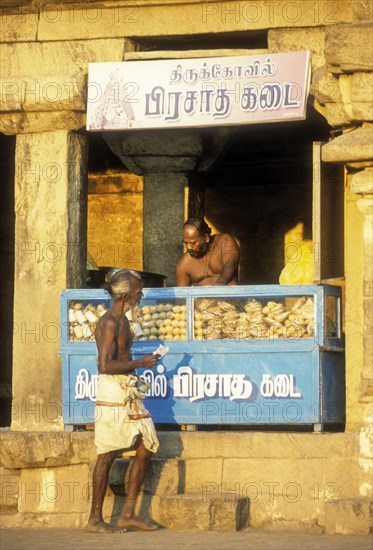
299 269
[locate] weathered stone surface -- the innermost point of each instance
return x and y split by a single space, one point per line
362 182
286 508
9 489
54 491
348 516
365 206
186 54
366 388
298 39
336 479
325 86
84 450
356 145
202 475
114 231
34 449
46 181
362 88
34 122
362 96
193 511
48 93
334 113
256 445
287 488
357 95
114 181
66 520
18 27
350 47
166 477
363 10
37 59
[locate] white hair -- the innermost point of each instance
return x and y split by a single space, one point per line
120 282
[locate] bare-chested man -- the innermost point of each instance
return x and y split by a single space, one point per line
208 260
122 422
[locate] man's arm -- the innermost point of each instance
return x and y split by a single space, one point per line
230 254
182 278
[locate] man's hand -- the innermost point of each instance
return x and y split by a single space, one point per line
149 360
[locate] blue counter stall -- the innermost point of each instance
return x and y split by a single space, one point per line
243 355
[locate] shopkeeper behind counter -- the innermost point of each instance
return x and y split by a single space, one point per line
209 260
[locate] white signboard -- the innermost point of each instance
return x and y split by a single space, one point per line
203 92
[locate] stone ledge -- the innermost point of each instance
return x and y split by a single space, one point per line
45 449
37 122
349 47
23 449
355 145
68 520
258 444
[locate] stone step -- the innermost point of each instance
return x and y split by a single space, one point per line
166 476
194 511
349 516
162 499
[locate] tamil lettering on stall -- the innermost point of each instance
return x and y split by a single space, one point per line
158 382
86 385
202 386
187 383
281 385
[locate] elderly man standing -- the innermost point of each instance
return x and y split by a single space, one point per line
209 259
122 422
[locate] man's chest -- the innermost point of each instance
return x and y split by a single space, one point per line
206 267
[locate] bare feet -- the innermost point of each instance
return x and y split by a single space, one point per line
102 527
135 524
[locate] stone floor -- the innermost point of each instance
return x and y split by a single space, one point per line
78 539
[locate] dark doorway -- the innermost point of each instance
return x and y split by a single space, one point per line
7 220
262 188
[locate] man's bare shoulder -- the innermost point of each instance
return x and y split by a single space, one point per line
184 260
224 239
107 323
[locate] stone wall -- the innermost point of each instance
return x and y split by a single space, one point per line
46 481
115 213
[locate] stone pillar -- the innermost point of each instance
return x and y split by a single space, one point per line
362 183
355 149
164 158
163 218
50 245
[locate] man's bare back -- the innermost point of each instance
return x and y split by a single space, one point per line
119 347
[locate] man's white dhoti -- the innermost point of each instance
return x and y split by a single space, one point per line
120 415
